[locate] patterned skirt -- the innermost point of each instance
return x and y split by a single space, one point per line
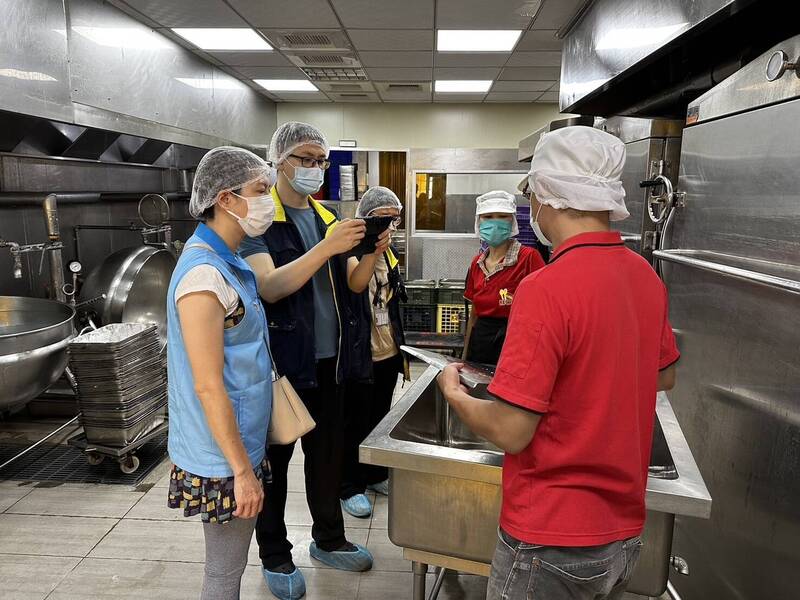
210 497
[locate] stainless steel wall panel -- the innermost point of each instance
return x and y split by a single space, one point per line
740 178
95 66
34 76
44 174
739 376
464 159
149 77
749 87
614 35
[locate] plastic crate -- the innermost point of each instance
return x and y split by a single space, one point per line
421 292
451 318
451 295
419 317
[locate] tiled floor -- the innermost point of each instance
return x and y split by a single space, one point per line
87 542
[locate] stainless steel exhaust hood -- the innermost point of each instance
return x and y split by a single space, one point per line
650 59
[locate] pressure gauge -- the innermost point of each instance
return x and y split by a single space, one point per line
75 266
778 64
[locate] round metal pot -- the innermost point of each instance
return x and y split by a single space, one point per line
34 334
135 282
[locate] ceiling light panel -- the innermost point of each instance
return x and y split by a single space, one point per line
223 39
476 40
287 85
469 86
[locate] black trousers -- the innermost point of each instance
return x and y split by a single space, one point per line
323 448
365 407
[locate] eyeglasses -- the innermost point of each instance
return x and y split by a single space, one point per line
308 162
396 221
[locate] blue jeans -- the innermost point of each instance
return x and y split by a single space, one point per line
528 572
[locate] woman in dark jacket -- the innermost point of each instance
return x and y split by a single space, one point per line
369 403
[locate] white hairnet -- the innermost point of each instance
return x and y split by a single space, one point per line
496 201
224 169
290 136
375 198
579 167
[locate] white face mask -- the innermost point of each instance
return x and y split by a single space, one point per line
537 229
307 180
260 213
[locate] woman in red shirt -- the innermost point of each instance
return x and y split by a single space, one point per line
494 275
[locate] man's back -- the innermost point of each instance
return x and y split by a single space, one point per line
588 336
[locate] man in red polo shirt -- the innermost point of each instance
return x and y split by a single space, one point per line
588 346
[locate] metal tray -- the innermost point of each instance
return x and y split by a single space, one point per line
123 436
115 336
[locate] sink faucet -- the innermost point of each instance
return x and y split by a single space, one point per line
17 250
15 253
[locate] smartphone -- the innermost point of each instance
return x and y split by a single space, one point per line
375 227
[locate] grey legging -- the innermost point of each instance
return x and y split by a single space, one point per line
226 557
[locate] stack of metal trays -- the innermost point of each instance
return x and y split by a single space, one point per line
122 382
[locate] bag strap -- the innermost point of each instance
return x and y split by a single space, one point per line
275 374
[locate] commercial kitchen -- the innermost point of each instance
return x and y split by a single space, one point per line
107 108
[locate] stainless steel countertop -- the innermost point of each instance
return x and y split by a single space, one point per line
686 495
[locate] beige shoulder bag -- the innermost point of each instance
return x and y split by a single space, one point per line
290 418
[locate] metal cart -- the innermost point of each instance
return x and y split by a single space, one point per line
125 456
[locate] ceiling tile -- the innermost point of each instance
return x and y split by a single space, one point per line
554 14
521 86
539 39
535 59
512 96
188 13
276 14
548 97
480 14
480 59
458 97
349 97
345 86
139 16
422 94
301 97
396 59
530 73
465 73
252 59
392 39
369 14
399 74
272 72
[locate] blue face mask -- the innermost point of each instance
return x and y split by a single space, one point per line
307 180
495 231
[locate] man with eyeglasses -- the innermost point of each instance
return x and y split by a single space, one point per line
320 340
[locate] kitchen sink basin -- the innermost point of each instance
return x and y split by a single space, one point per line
445 485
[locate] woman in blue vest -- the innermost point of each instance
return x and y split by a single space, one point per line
220 384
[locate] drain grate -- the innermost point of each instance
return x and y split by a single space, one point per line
66 464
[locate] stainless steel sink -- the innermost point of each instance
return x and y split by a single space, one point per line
445 485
